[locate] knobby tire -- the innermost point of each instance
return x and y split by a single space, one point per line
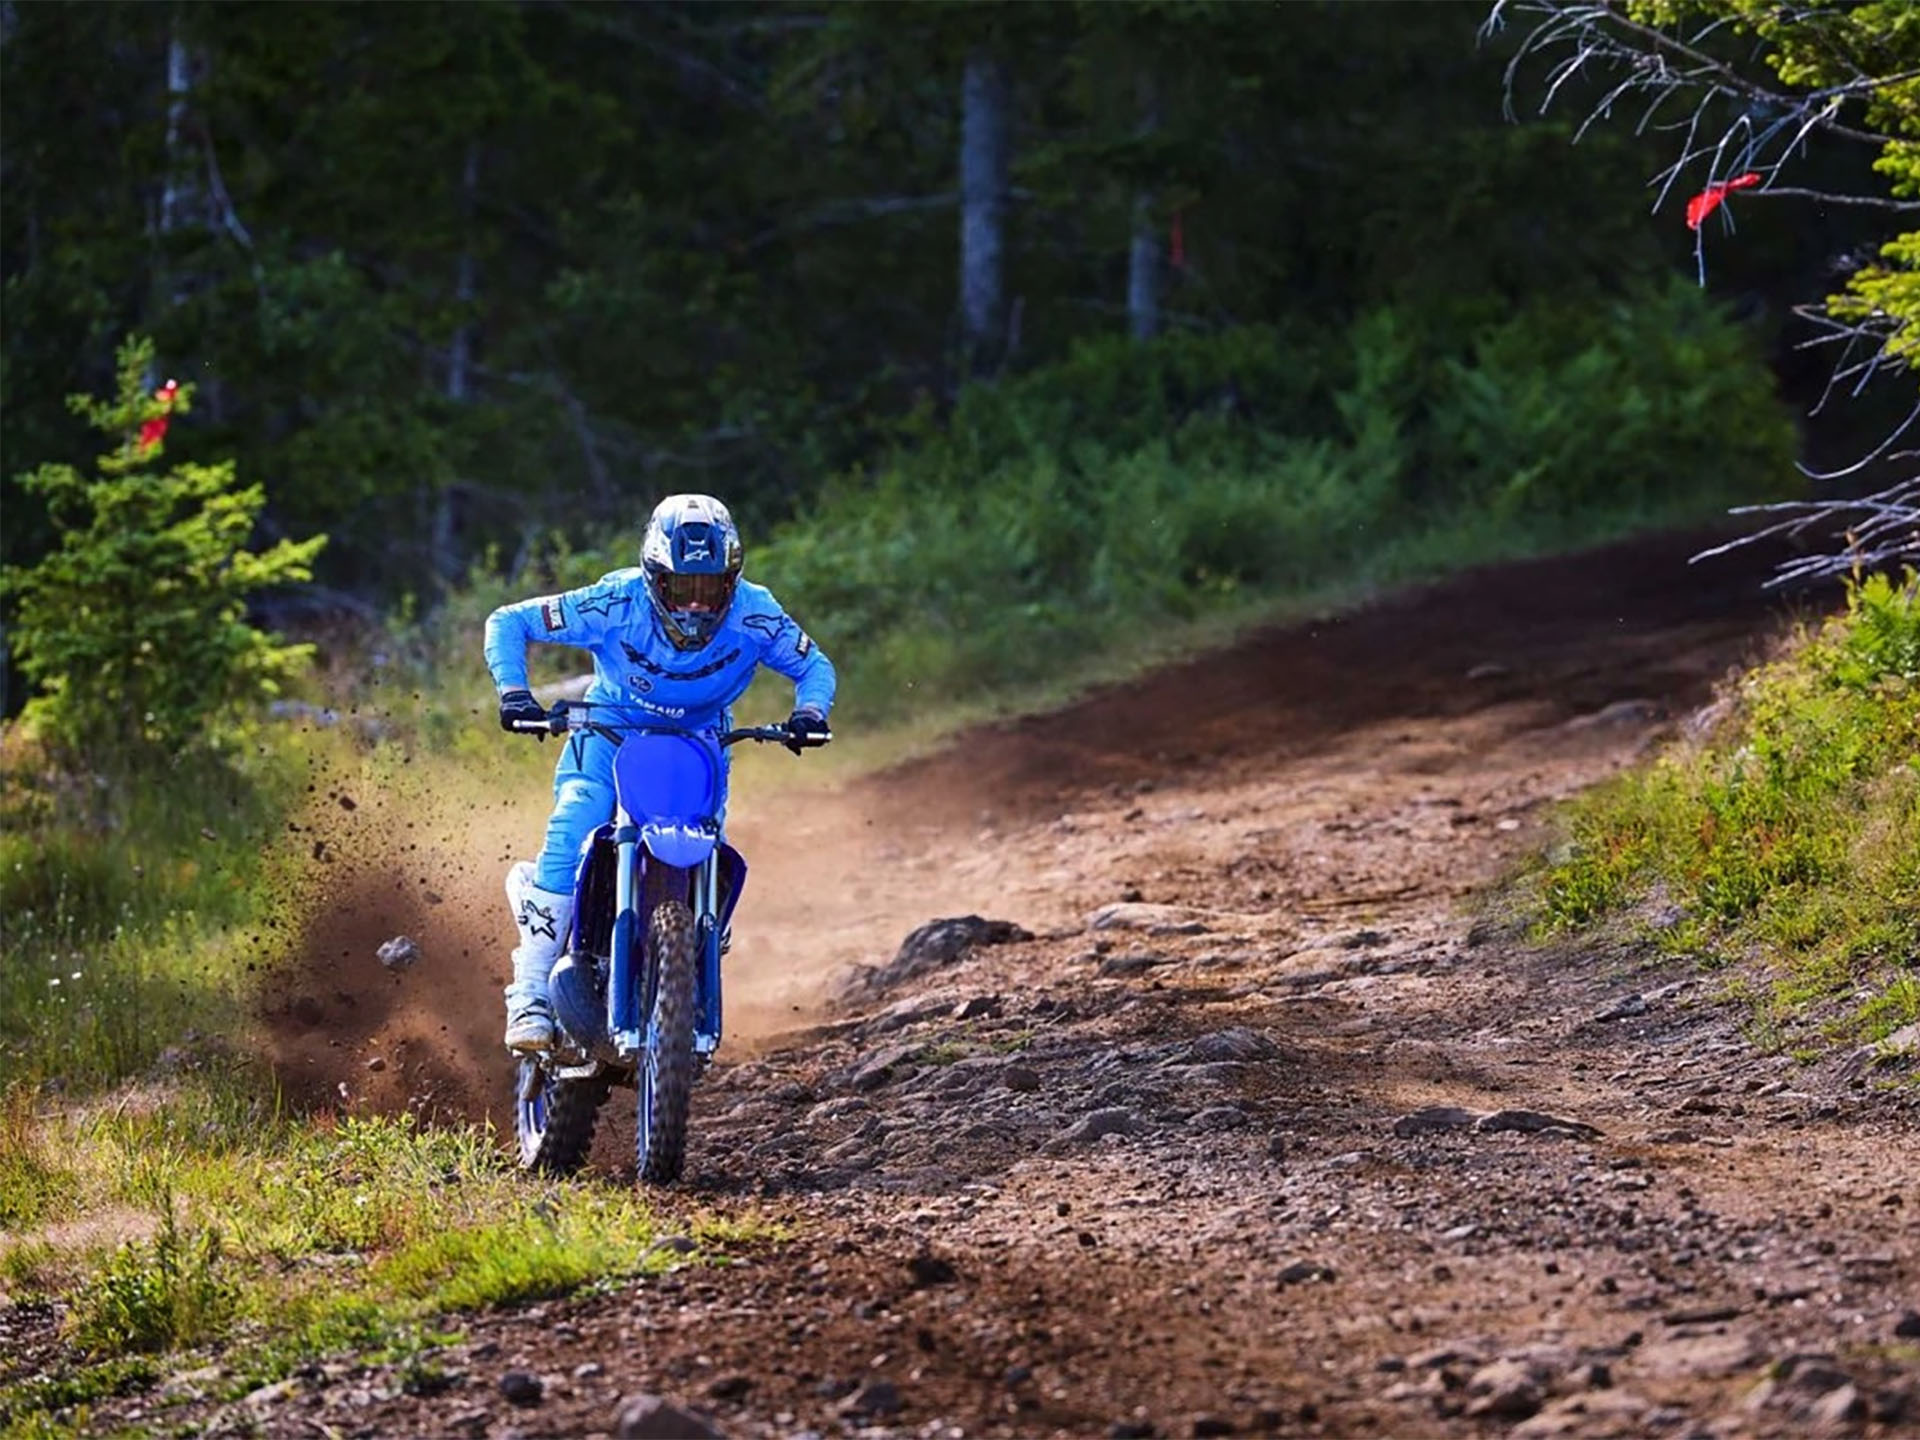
573 1107
662 1140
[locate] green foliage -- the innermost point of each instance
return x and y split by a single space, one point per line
260 1232
1870 51
1793 834
134 625
124 934
1136 485
160 1294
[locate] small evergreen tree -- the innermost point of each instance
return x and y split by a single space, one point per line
133 628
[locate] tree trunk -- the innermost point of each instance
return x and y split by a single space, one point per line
983 206
1143 253
446 561
1143 270
183 200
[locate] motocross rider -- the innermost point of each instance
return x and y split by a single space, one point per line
677 638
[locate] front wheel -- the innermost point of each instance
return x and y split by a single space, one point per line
666 1066
554 1118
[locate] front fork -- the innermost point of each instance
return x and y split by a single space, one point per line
626 963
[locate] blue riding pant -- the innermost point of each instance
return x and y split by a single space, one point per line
583 800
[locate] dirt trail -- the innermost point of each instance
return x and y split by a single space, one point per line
1264 1132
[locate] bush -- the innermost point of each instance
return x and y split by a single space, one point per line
134 627
1793 835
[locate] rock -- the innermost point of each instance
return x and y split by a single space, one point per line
1506 1389
1307 1272
878 1068
1217 1117
936 944
676 1244
1697 1355
1101 1123
1837 1408
1532 1122
1907 1327
649 1417
929 1269
376 1064
731 1389
1623 1010
1907 1037
1154 919
1433 1119
1238 1043
1021 1079
402 952
1120 966
1209 1425
1620 712
1277 1145
1601 1415
876 1397
979 1007
521 1388
589 1370
1132 1430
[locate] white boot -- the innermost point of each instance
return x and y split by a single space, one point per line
543 918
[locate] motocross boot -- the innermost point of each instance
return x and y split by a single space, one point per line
543 918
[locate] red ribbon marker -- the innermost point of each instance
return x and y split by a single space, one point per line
153 431
1711 198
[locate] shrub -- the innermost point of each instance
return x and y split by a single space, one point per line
1794 834
139 614
159 1295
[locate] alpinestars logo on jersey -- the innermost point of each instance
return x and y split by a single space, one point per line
538 921
604 604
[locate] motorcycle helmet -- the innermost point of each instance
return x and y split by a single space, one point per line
691 556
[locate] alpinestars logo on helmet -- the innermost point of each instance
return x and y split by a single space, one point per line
691 556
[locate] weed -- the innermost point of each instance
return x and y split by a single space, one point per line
169 1292
63 1387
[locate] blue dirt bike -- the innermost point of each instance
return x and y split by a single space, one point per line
636 991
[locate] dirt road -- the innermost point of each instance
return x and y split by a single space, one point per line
1270 1128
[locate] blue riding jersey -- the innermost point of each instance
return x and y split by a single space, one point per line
635 664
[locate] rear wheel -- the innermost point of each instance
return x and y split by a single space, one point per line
554 1118
666 1065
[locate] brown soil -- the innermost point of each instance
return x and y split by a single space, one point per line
1703 1240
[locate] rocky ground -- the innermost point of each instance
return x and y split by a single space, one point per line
1259 1118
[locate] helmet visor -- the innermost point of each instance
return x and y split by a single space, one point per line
710 594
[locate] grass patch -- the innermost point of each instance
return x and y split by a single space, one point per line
275 1239
126 901
1788 838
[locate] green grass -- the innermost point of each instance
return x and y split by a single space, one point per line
134 906
221 1228
1787 843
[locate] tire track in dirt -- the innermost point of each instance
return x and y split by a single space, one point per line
1263 1133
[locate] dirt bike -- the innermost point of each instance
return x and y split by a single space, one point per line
636 991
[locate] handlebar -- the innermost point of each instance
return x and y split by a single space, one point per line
566 716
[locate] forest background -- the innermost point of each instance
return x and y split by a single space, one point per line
1256 299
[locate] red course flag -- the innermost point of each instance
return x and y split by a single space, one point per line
1711 198
153 431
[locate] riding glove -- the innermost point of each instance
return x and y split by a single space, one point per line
517 706
801 724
